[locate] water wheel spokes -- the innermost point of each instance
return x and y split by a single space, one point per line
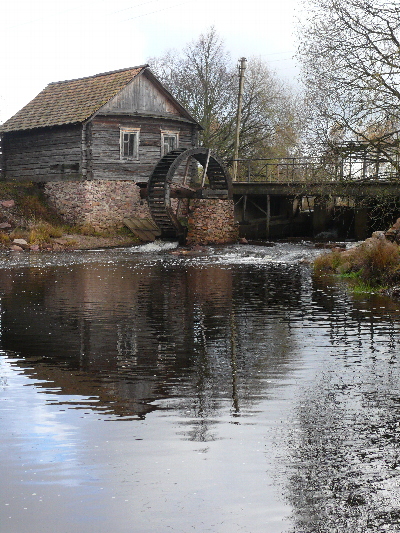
176 179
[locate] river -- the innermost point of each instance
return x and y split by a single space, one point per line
230 390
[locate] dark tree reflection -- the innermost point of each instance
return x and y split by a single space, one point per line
132 334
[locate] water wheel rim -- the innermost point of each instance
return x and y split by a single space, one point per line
161 179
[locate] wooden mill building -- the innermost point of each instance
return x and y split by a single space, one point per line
92 141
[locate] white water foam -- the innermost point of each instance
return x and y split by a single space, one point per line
154 247
280 253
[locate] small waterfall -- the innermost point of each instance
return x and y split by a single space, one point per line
155 247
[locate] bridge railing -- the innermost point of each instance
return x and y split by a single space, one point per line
313 169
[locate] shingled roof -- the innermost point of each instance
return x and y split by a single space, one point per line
70 102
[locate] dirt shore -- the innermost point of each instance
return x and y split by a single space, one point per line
72 242
89 242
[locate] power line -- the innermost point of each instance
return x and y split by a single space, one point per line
79 9
158 11
133 7
282 59
283 52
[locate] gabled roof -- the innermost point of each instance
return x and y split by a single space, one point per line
75 101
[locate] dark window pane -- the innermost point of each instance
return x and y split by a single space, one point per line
129 142
169 143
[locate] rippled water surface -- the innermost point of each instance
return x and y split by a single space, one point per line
153 391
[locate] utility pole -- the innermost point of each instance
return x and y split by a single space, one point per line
241 68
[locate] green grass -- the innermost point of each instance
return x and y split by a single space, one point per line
362 287
373 266
350 275
43 232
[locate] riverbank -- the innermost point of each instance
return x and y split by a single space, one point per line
373 265
70 242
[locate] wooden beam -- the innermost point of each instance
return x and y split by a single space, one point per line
203 180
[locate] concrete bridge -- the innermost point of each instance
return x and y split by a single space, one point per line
294 197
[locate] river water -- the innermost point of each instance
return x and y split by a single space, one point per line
149 391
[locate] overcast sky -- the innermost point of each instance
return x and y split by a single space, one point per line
53 40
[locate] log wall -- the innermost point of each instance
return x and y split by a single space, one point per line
43 154
104 145
141 96
92 151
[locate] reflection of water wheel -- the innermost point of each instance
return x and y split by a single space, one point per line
167 188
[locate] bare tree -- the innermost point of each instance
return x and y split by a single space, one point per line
205 80
271 125
201 79
350 52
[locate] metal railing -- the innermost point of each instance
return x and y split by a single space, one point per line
313 169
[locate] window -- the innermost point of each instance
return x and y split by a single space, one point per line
169 141
129 144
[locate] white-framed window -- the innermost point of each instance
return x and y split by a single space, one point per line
129 144
169 141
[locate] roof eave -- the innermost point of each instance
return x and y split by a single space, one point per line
64 124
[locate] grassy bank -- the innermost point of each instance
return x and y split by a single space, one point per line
25 214
373 266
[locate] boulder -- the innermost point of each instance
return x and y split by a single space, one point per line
20 242
393 233
7 203
379 235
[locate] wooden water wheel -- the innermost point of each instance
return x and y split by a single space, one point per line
176 177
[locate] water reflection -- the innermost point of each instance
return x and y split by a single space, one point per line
226 383
131 334
345 438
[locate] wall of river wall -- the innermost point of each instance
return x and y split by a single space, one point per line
104 204
212 222
99 203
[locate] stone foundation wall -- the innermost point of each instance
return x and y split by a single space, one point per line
212 222
99 203
104 204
